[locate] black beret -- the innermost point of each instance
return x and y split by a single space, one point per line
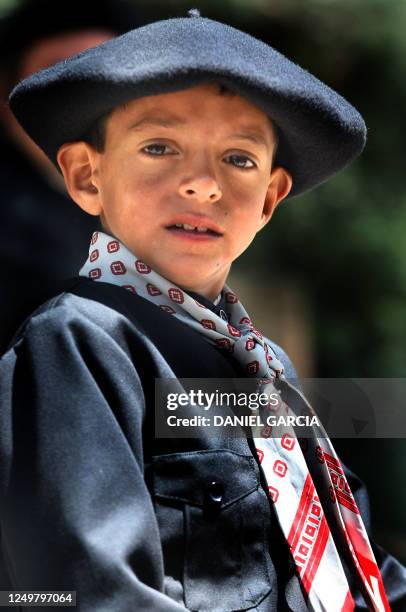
320 132
33 20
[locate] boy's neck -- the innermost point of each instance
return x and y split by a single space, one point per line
203 299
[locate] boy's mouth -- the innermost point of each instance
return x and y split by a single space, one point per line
195 228
185 227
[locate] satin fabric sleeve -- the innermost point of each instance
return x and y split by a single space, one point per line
76 513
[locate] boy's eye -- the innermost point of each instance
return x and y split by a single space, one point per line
240 161
158 149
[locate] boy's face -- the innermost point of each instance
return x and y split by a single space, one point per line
194 157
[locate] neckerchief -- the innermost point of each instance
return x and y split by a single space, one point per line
291 465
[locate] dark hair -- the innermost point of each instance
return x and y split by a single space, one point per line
96 134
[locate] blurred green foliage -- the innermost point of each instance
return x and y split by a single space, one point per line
6 5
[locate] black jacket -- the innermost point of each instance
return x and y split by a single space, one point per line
38 227
91 501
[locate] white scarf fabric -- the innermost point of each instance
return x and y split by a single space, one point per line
290 467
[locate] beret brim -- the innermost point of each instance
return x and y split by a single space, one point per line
320 132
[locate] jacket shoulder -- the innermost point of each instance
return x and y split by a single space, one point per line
69 312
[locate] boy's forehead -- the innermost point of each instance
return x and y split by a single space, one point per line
187 106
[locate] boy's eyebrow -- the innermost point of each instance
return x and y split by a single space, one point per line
251 135
254 137
156 121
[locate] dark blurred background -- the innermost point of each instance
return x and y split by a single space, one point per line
327 277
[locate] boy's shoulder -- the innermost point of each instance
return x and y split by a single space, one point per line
82 307
67 304
93 312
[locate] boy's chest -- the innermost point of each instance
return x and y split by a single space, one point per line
215 521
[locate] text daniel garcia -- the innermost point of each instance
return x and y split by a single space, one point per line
247 420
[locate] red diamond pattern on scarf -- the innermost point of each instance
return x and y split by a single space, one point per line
113 246
95 273
288 442
94 255
233 331
152 290
280 468
142 267
207 324
117 267
260 454
224 343
273 494
231 298
176 295
249 345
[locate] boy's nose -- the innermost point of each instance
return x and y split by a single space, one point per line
203 189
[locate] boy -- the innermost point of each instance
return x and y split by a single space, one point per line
183 137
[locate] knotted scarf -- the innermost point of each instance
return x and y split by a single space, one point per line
291 465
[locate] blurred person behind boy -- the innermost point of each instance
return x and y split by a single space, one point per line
43 237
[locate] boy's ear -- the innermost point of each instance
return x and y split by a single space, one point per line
77 162
279 187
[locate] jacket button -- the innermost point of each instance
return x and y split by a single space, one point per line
214 495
